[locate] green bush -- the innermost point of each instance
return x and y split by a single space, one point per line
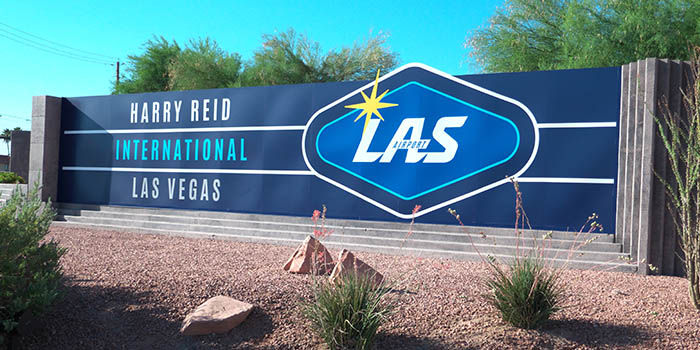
526 293
29 269
527 290
11 178
347 314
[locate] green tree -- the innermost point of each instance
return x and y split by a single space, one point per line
526 35
6 136
149 71
204 65
292 58
285 58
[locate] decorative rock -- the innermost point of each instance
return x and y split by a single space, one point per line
217 315
303 259
347 262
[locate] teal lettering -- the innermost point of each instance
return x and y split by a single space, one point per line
196 149
136 149
144 149
243 158
231 150
126 148
187 154
117 152
154 149
178 150
206 149
219 151
166 149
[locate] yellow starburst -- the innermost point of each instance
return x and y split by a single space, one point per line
372 104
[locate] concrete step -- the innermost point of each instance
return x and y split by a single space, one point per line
616 265
336 224
457 238
451 241
484 246
11 187
6 190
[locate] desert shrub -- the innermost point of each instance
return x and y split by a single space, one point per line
11 178
29 269
527 290
347 314
679 134
525 293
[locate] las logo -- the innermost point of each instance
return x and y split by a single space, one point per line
413 144
428 136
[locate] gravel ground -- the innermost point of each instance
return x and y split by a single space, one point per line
132 291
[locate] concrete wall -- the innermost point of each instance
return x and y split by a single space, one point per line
19 156
45 136
650 87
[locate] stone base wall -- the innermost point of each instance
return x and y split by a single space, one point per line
650 88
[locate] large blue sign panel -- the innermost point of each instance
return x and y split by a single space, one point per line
368 150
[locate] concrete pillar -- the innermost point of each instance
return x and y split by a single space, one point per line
43 153
19 153
650 88
647 125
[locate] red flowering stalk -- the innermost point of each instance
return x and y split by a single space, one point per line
321 232
314 219
410 227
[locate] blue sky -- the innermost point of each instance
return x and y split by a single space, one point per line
431 32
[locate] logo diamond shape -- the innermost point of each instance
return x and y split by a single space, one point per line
442 140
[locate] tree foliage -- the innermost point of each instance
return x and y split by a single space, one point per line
526 35
149 71
292 58
204 65
6 136
284 58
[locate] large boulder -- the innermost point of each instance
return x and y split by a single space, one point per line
309 253
217 315
348 263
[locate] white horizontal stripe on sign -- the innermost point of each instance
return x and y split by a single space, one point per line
176 130
572 180
294 128
189 171
576 125
567 180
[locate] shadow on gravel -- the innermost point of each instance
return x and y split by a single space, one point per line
95 317
407 342
593 334
402 292
252 330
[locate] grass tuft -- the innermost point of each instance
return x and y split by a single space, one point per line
347 314
526 293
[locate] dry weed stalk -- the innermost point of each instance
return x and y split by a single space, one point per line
681 138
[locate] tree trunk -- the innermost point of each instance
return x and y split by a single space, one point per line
694 281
